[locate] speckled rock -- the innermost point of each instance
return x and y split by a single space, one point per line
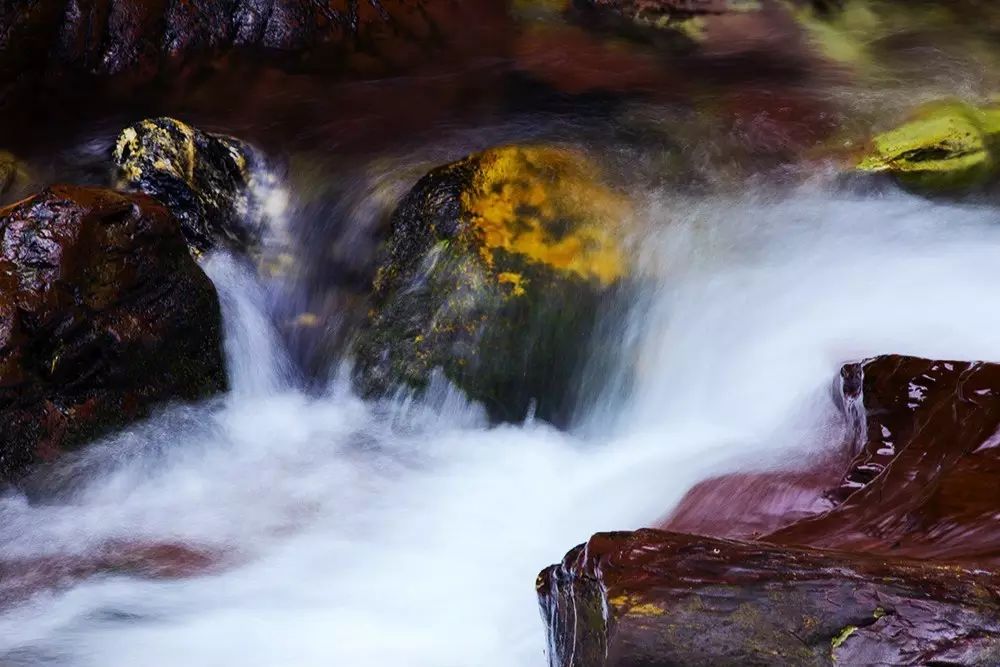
494 272
220 188
103 315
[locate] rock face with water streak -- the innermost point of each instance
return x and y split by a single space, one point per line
103 314
884 553
217 186
656 598
494 272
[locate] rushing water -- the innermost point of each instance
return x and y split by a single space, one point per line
344 532
328 531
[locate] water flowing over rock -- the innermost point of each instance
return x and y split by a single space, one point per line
656 598
220 188
923 480
494 272
881 563
103 314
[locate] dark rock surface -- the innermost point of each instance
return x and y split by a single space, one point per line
144 38
103 314
883 553
494 272
660 599
217 186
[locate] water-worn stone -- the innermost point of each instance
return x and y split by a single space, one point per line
494 272
217 186
103 315
659 599
945 146
926 467
916 476
902 520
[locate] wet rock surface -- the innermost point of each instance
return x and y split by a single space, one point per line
103 314
657 598
884 553
946 146
494 273
217 186
20 578
142 40
923 482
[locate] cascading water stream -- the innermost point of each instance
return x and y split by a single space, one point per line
345 532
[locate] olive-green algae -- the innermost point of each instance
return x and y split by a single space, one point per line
945 146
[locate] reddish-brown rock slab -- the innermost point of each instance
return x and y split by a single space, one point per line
656 599
925 480
919 474
20 578
103 315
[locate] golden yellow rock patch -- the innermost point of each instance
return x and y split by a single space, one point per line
627 605
549 205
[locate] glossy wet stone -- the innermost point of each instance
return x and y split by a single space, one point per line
901 520
103 314
656 598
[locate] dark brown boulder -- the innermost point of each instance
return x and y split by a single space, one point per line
882 553
917 475
925 478
661 599
143 38
103 314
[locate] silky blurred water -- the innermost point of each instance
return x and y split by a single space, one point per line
347 532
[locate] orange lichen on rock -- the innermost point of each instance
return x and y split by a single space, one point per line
547 204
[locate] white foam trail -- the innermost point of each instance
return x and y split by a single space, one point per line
366 535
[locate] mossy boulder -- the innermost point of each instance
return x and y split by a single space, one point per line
217 186
103 315
945 146
494 272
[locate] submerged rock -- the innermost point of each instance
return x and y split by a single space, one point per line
494 272
217 186
656 598
946 146
103 314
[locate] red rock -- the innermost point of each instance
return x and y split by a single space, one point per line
924 481
103 315
20 578
143 38
655 599
884 556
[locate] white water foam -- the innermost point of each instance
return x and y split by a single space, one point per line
361 534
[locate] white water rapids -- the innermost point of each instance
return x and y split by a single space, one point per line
410 533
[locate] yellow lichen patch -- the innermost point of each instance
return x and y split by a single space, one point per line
515 280
842 636
625 604
548 205
945 144
171 155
